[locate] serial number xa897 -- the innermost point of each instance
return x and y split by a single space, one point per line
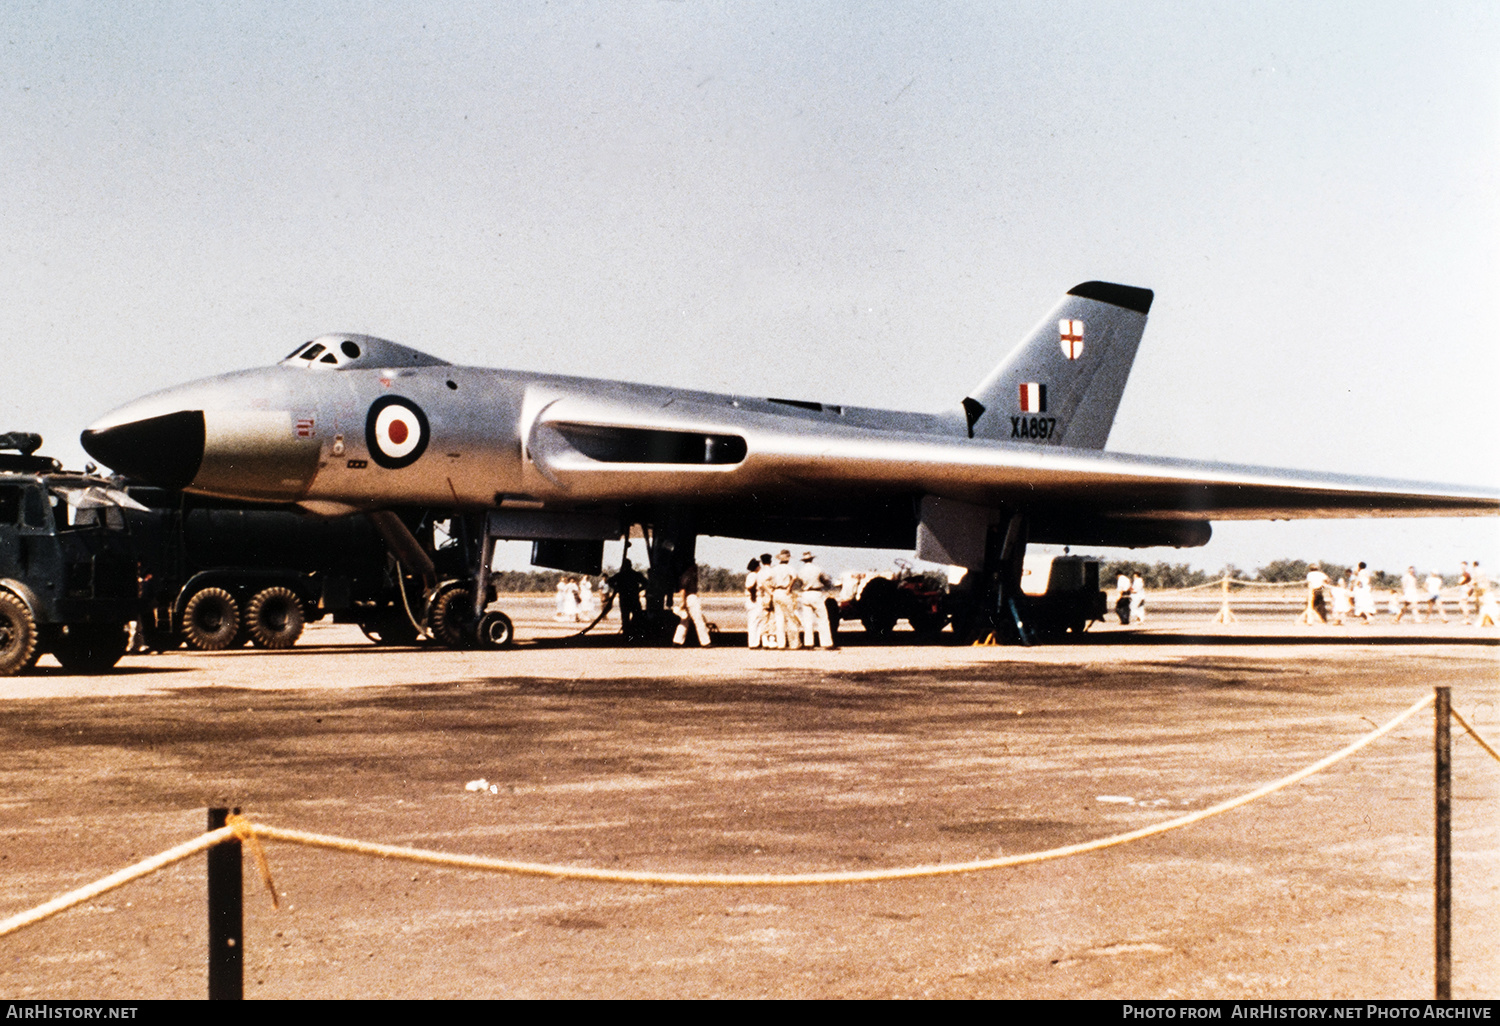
1032 427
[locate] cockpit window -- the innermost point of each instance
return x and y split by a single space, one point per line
356 352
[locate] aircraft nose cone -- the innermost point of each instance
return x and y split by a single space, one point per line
165 450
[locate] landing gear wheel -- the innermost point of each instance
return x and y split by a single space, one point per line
211 620
274 618
91 647
18 647
494 631
450 616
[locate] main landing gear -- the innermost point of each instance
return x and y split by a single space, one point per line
452 612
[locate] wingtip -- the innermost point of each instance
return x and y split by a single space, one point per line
1127 296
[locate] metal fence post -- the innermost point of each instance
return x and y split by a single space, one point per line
226 932
1443 870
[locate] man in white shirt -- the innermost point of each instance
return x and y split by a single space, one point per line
769 637
812 610
784 601
1435 596
1411 595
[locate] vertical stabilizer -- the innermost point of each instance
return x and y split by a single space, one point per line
1062 385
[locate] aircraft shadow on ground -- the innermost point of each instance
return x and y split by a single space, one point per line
906 639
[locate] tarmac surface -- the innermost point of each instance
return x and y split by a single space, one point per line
728 760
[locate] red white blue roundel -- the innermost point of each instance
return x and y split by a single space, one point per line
396 432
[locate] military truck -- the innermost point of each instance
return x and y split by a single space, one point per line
68 582
215 575
82 557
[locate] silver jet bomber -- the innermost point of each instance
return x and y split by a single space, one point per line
354 423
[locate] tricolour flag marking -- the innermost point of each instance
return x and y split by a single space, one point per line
1033 397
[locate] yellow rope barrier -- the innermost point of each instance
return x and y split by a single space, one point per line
248 831
807 879
244 831
1474 734
87 893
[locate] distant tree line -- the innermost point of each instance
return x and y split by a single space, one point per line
519 582
1279 571
1158 576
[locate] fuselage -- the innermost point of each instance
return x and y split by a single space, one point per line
397 427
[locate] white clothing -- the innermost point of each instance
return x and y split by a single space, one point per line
1434 586
692 610
784 604
769 638
1343 600
1364 598
753 621
812 610
1138 599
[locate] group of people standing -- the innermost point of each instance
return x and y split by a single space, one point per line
1130 604
1353 597
576 600
786 606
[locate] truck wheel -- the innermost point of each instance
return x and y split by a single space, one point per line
877 607
91 647
274 618
495 631
211 621
18 647
451 616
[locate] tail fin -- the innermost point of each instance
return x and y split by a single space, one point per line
1062 385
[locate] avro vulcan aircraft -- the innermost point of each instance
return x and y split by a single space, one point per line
355 423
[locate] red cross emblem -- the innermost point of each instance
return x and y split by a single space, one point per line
1071 333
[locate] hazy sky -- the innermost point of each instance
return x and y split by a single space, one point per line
866 203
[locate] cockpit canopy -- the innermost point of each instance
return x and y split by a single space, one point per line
356 352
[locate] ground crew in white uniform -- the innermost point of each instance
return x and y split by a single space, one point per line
783 584
812 610
768 636
1364 596
689 609
1435 596
1138 599
1411 596
753 621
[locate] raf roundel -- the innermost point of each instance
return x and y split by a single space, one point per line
396 432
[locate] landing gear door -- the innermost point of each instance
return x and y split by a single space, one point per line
954 532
